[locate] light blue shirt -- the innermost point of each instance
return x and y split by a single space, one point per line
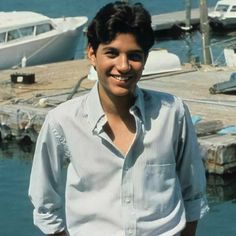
152 190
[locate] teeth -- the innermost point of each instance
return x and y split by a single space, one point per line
120 78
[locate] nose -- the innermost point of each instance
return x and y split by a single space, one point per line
123 64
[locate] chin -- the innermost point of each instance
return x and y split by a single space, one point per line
122 92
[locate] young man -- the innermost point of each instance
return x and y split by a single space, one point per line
134 164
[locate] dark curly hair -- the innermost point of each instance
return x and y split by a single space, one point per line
121 17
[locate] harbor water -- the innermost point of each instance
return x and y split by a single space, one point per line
16 160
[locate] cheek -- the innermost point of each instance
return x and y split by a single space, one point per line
102 64
138 66
102 70
139 69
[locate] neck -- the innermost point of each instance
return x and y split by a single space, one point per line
117 105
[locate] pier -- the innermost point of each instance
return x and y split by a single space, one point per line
175 23
167 21
23 106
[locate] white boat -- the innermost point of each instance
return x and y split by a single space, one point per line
29 38
161 61
224 15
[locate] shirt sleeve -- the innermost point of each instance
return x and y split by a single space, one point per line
191 170
45 189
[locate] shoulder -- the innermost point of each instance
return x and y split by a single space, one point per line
159 99
68 109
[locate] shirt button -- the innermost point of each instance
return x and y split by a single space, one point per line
130 232
127 200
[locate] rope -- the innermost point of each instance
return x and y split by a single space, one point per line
74 91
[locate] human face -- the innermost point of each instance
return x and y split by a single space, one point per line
119 65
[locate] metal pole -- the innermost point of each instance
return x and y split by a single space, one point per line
204 25
188 6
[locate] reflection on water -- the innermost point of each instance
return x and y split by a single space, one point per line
221 189
16 209
221 193
20 151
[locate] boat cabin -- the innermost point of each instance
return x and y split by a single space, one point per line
24 25
224 15
225 6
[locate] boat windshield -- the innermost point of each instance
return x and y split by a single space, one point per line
43 28
2 37
233 9
222 7
20 33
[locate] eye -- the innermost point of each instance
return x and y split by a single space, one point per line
135 56
111 53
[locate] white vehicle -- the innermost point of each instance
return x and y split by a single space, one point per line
224 15
29 38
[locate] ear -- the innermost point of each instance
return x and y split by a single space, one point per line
91 55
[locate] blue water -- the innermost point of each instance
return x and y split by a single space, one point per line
89 7
15 163
15 208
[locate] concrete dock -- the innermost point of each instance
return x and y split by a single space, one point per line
25 105
167 21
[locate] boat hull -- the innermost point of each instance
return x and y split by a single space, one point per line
221 24
46 50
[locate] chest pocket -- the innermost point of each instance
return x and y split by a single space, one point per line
155 188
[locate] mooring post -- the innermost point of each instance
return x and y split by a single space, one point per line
188 6
204 25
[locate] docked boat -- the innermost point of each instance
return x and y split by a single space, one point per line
29 38
224 15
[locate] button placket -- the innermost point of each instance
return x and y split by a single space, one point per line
127 188
127 197
131 231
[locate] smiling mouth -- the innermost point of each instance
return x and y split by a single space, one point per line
121 78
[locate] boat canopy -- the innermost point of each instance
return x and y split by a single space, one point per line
13 20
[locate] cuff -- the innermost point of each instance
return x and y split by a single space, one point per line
196 209
49 223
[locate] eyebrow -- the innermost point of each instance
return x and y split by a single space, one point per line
130 51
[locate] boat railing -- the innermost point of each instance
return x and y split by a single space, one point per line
217 50
226 42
